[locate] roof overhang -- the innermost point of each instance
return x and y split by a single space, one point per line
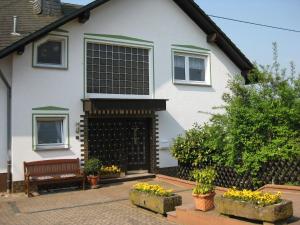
91 105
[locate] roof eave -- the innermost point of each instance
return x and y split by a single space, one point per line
209 27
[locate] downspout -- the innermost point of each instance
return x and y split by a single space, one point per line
9 175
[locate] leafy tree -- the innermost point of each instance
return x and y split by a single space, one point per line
261 122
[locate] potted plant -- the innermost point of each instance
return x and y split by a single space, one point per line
204 191
256 205
112 171
154 198
91 169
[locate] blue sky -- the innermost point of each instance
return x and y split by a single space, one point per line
256 42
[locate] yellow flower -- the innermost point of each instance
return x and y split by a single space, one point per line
152 189
110 170
255 197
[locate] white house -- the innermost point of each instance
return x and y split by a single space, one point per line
115 79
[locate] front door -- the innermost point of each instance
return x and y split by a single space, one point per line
138 145
120 141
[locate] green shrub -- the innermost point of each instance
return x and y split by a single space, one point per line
199 145
92 167
204 181
296 183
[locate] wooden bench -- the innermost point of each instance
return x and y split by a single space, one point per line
51 172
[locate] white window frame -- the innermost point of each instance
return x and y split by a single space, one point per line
65 133
52 37
123 44
187 55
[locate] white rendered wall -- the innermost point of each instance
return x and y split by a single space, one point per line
3 127
160 21
5 68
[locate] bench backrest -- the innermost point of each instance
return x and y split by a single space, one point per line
52 167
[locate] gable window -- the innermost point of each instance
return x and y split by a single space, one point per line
50 131
51 51
191 68
116 70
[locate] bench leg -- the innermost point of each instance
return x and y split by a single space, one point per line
25 187
28 189
83 184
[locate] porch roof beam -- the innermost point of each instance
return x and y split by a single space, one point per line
92 104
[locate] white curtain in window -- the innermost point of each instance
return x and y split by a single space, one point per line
179 70
49 132
196 67
179 61
196 64
58 127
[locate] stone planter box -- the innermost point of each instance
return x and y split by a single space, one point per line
155 203
268 214
109 176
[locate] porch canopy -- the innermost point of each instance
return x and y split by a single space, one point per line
91 105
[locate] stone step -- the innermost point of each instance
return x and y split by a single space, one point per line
172 216
185 207
130 177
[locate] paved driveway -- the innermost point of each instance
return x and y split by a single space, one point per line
107 205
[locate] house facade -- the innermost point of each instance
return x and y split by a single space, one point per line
116 80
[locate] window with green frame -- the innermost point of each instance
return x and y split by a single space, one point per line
50 131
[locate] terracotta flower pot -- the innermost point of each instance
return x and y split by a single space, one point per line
93 180
204 202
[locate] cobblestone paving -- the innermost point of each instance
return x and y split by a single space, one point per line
104 206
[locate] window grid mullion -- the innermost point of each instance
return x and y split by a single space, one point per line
187 68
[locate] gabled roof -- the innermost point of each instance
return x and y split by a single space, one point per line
46 25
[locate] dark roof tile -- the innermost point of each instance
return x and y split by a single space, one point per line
27 21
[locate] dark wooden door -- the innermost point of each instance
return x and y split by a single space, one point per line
138 145
120 141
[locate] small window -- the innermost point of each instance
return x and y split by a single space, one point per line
191 69
51 52
50 132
